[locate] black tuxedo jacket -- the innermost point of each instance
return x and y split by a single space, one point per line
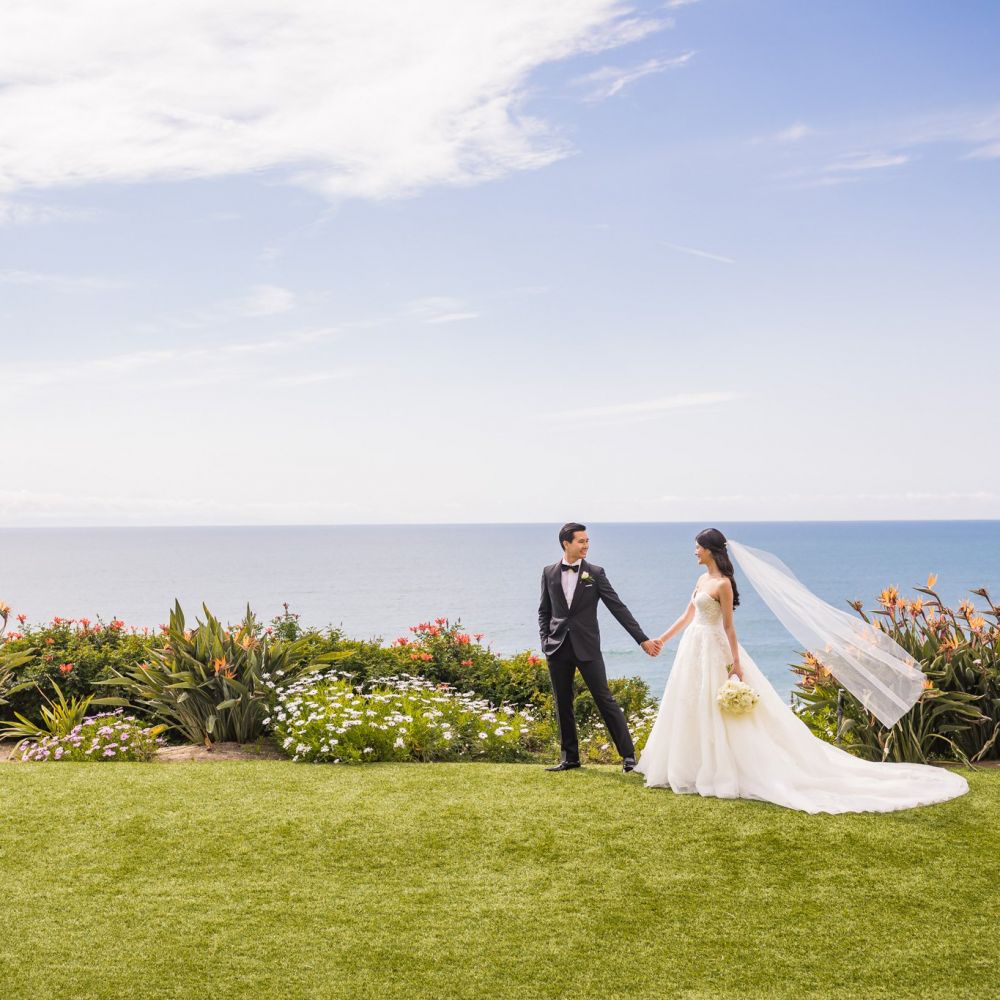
557 620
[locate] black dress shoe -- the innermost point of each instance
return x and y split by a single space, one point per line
564 765
628 764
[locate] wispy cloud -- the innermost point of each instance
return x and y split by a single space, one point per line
439 309
351 100
698 253
167 364
267 300
649 408
310 378
868 161
875 146
793 133
26 213
60 282
611 80
51 507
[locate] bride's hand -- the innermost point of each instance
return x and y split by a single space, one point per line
736 671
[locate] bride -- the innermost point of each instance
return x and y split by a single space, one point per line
770 753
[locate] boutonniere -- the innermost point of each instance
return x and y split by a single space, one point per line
585 577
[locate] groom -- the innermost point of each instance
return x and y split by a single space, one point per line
567 621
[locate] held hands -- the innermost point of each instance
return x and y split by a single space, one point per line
652 647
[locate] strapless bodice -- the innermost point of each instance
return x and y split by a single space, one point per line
707 610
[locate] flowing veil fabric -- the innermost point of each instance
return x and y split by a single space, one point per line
868 662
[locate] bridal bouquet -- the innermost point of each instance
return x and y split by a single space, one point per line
736 697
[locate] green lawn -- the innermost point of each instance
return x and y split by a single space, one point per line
279 880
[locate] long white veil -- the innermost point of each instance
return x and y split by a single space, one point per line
870 664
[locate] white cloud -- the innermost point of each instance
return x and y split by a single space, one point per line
439 309
59 282
868 161
991 151
40 507
27 213
167 364
793 133
698 253
267 300
365 100
650 407
612 80
308 378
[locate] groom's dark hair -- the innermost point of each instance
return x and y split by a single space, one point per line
567 531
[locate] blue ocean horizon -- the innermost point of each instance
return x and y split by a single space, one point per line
374 581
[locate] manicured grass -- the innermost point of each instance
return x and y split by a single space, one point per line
276 880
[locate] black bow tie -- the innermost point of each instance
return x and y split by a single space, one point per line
575 569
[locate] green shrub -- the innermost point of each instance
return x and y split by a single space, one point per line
595 743
958 715
208 683
75 653
57 717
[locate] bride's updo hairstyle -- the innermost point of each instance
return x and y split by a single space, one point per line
715 541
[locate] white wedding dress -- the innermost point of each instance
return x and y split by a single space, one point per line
769 753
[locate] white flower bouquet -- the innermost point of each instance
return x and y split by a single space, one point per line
736 697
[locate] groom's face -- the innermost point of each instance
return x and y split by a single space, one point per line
577 549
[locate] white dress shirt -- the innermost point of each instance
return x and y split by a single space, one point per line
570 579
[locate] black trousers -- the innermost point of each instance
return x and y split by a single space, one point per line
563 664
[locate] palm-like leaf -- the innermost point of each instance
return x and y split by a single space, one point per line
211 684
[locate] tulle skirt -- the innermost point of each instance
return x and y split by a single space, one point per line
769 753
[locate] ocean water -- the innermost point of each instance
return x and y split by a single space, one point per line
376 581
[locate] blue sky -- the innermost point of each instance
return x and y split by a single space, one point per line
280 263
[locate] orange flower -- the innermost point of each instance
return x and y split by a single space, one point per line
466 663
4 609
977 624
916 607
65 668
440 621
888 597
117 623
22 618
931 580
218 664
928 684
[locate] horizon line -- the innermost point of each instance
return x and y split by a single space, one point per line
497 524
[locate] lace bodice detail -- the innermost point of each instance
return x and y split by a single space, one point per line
707 610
